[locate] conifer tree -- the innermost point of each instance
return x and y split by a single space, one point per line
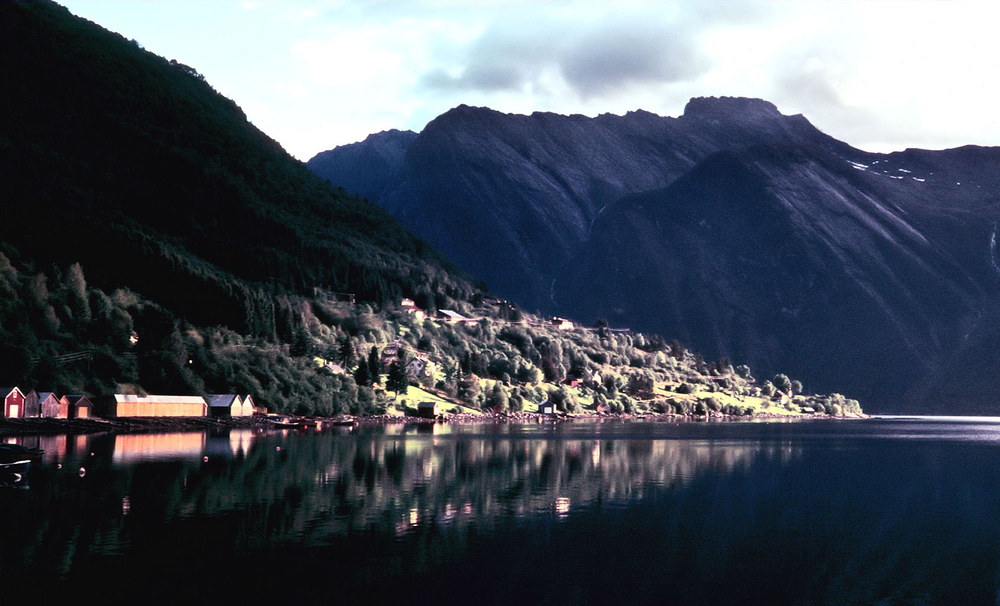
362 376
373 365
347 353
397 380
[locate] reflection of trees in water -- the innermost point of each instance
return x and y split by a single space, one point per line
411 479
303 489
691 521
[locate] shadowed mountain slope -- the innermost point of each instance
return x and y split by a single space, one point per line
137 168
747 233
511 198
128 168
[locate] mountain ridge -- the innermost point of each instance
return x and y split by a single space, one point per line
898 241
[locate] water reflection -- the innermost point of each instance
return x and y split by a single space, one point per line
697 513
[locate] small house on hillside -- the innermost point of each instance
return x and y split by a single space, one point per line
453 317
428 410
13 403
410 306
546 408
124 405
419 367
48 405
225 405
389 353
562 323
74 407
593 378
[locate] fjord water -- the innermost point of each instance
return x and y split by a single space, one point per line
888 511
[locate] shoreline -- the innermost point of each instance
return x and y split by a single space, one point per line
51 426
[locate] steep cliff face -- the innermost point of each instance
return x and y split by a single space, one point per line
511 198
739 230
799 260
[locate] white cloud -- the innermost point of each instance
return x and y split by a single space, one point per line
880 75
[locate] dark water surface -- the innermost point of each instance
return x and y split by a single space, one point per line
880 511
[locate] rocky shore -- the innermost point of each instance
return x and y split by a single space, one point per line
12 427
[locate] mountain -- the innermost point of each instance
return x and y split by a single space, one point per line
130 170
739 230
511 198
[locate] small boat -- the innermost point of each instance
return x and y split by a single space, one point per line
289 423
14 459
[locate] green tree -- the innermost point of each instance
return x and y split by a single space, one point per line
362 376
374 371
516 403
497 398
397 381
563 399
347 353
468 388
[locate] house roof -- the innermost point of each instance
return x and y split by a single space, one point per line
159 399
5 391
44 395
222 400
453 314
76 398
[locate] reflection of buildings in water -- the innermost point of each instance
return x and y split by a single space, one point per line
239 440
229 443
158 446
54 449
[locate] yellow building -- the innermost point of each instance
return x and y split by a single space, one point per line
122 405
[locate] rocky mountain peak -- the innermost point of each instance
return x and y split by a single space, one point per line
729 107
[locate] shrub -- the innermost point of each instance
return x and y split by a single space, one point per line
782 383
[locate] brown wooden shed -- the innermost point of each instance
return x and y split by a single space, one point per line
48 405
428 410
74 407
31 405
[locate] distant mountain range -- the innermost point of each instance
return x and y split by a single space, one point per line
739 230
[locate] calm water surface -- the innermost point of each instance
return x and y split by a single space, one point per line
880 511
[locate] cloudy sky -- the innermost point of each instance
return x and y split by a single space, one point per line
881 75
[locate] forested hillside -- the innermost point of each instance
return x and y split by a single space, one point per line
131 169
